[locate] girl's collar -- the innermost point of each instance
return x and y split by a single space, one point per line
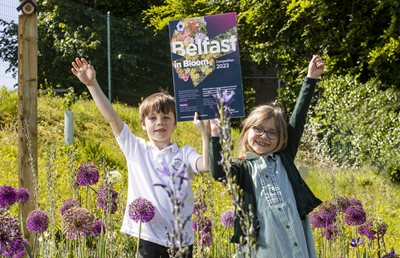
253 156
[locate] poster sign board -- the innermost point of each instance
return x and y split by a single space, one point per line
206 66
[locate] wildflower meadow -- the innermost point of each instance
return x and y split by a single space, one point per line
81 195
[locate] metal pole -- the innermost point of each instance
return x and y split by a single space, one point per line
109 54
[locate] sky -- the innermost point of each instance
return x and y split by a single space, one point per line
8 12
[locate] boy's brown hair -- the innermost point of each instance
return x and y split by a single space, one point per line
157 102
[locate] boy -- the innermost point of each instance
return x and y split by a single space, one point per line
146 159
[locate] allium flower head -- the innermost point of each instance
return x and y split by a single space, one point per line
87 174
323 217
77 223
203 225
355 215
227 218
37 221
97 226
342 202
391 254
355 202
68 204
199 206
107 199
10 236
8 196
22 195
330 231
141 210
367 229
204 239
372 228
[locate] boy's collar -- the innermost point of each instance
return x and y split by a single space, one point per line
173 147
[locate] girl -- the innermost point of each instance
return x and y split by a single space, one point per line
272 187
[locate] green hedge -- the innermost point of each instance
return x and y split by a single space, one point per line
357 124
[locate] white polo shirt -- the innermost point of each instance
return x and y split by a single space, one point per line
144 162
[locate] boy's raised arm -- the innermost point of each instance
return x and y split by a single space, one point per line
202 163
87 75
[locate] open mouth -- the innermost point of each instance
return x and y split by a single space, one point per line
262 144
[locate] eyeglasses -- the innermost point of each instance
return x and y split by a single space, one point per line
271 134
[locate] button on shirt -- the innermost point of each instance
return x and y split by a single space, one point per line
145 164
281 230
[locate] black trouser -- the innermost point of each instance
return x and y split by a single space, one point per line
151 250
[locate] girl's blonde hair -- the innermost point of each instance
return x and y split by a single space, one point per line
257 117
157 102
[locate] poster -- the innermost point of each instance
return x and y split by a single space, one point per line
206 66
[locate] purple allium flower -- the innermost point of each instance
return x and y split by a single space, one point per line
23 195
202 225
199 206
107 199
16 249
372 228
330 231
10 235
355 202
141 210
324 216
381 228
391 254
97 226
37 221
204 239
342 203
356 242
77 223
355 215
68 204
367 229
87 174
227 218
8 196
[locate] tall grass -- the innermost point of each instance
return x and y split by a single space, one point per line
95 143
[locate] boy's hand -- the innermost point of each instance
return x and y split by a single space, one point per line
215 127
84 71
315 67
202 125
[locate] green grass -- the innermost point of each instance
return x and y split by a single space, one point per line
95 142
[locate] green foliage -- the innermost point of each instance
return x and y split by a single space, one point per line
8 107
69 99
357 123
95 142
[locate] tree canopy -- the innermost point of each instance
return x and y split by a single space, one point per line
357 37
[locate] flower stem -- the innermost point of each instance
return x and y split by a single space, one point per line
137 248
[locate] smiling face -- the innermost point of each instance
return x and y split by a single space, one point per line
262 144
264 131
159 127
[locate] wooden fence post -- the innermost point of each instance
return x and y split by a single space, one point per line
27 108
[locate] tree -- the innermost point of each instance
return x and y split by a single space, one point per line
140 57
356 37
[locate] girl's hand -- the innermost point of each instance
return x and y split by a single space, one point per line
202 125
215 127
315 67
84 71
